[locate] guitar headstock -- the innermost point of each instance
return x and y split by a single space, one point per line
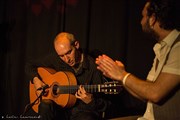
113 87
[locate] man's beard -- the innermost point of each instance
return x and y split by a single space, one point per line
147 29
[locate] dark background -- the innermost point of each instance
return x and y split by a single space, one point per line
28 27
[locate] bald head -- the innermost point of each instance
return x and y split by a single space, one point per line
65 37
66 47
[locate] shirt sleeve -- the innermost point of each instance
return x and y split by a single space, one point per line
100 103
173 61
32 65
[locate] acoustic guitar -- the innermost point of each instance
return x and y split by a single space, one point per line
62 87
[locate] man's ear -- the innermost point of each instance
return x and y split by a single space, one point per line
152 20
76 44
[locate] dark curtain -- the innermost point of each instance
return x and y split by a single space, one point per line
28 27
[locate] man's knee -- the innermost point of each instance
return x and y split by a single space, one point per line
46 105
87 116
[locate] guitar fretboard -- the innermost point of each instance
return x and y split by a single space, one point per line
73 88
89 88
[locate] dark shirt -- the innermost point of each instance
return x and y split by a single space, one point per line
87 74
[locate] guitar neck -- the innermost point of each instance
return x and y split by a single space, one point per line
73 88
105 88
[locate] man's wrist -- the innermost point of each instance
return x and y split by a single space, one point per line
125 78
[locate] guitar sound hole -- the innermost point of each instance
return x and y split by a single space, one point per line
55 90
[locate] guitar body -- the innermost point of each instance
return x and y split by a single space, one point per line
53 78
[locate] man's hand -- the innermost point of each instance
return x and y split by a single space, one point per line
83 95
110 68
37 84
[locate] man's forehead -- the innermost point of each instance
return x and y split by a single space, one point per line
63 48
145 7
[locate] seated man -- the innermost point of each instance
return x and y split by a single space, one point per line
69 57
162 88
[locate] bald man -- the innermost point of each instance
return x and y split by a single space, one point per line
69 57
